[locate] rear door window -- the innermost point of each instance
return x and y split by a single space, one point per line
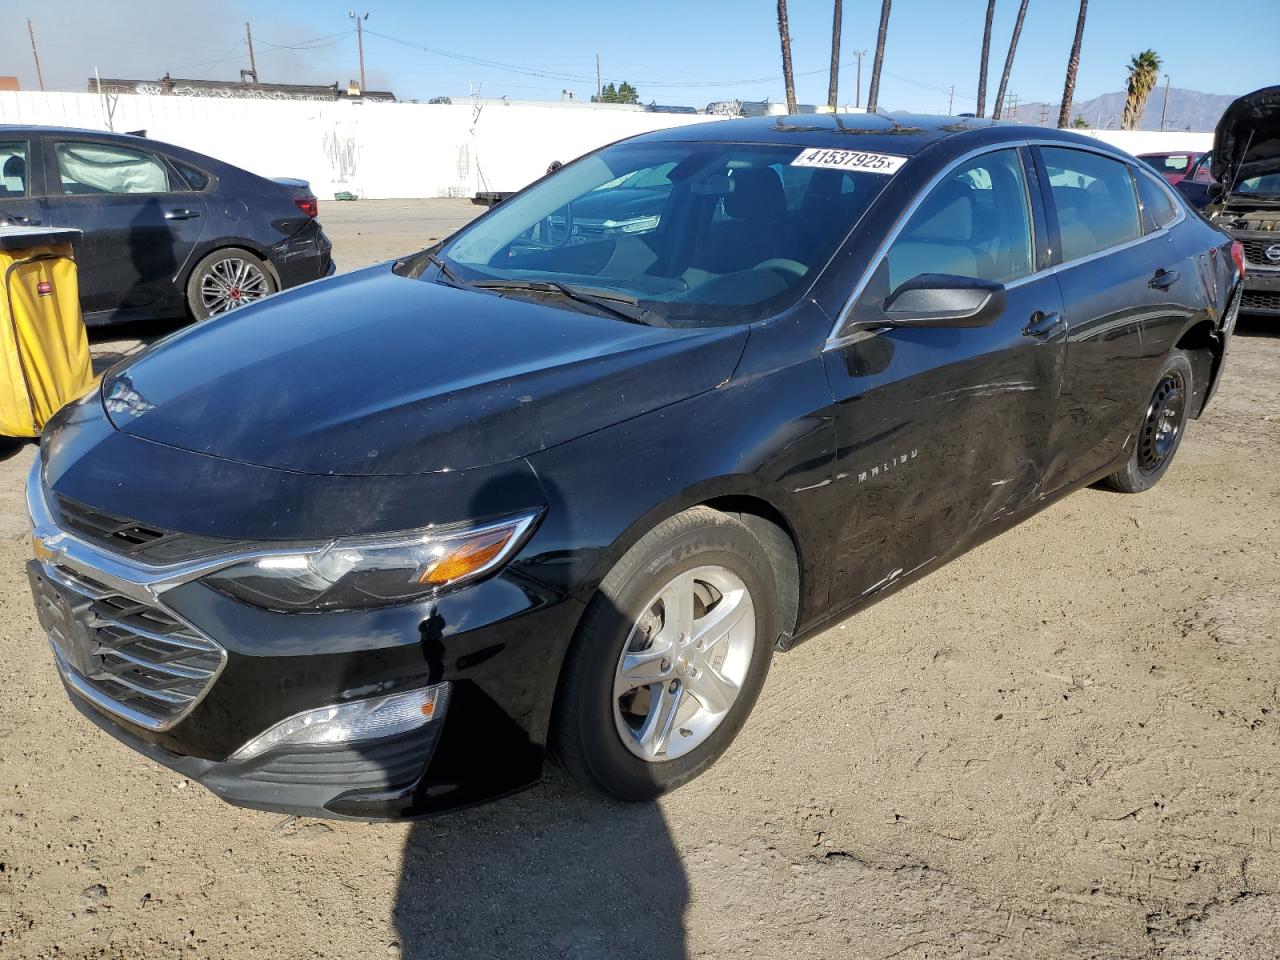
14 177
1157 209
93 168
1094 201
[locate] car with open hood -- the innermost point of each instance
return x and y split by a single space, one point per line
1244 196
382 545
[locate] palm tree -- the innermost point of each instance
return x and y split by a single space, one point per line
986 54
1073 66
873 95
1008 60
787 76
833 85
1144 74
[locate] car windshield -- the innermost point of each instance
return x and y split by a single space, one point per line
692 232
1267 185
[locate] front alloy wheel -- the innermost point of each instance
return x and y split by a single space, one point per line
669 657
684 663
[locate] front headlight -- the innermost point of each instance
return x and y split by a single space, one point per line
359 572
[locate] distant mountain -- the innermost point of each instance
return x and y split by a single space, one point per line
1188 110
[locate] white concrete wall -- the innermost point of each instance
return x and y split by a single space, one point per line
1153 141
394 150
374 150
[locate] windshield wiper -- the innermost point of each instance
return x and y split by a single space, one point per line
621 305
446 270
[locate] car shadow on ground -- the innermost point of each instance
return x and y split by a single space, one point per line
549 873
552 872
1257 325
11 446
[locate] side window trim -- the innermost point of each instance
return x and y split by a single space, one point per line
54 171
836 338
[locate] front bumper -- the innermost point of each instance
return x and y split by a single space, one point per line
497 645
368 780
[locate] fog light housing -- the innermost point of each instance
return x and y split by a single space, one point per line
353 721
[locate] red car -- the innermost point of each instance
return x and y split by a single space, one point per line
1172 166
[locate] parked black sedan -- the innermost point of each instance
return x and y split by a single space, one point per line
531 491
167 232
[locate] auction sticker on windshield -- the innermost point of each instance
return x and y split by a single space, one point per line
885 163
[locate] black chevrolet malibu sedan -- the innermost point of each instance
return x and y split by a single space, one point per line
560 487
166 233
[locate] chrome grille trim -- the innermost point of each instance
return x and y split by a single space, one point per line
150 667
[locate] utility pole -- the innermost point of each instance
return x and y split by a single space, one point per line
1044 114
359 42
1164 109
857 96
833 84
597 78
253 65
1013 106
951 102
36 56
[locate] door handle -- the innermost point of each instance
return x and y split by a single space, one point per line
181 214
1164 279
1042 324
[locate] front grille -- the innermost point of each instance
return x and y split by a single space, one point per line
1255 251
1260 300
130 538
136 653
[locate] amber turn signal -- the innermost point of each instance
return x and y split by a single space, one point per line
465 557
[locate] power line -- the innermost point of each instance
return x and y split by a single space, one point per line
577 78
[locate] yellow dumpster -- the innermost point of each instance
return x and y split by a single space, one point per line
43 347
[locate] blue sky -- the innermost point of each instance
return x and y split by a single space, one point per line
674 51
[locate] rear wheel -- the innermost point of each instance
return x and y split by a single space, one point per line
669 658
1160 433
227 279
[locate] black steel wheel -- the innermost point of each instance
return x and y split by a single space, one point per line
1160 432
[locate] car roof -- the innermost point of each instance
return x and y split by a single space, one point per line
38 128
905 134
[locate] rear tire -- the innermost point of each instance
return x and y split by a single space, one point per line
227 279
648 697
1160 431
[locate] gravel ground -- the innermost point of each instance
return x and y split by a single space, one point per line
1062 745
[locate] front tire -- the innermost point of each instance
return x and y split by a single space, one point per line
1161 429
227 279
669 658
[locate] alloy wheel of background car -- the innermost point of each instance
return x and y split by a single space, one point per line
683 664
1161 429
225 280
640 709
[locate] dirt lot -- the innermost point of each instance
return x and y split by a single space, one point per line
1062 745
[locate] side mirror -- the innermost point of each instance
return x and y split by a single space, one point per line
943 300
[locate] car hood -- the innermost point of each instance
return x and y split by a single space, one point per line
374 373
1246 142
